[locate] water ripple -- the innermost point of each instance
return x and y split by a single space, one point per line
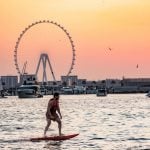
119 122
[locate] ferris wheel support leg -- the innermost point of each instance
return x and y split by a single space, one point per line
44 69
51 69
38 66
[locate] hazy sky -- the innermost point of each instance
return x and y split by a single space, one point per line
111 36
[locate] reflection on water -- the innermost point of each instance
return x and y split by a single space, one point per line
53 145
104 123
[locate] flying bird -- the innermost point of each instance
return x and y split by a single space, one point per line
109 48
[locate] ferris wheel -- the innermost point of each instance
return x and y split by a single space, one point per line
34 24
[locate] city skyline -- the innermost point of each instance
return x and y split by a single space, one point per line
111 37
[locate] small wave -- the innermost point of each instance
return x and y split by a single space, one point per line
14 140
19 128
146 147
97 138
138 139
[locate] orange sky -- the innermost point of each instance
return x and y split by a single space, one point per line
95 25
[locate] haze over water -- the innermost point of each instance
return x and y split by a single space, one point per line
112 122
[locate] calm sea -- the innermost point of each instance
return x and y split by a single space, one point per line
115 122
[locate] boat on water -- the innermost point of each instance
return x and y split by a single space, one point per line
2 93
67 90
29 91
148 94
29 87
101 92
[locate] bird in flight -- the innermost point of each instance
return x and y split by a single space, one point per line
109 48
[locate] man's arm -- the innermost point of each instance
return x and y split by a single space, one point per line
58 110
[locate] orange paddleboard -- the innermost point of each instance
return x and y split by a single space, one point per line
54 138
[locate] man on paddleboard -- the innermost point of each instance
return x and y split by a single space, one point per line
52 113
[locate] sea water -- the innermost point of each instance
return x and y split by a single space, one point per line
114 122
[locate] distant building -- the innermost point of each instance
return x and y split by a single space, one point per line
112 83
91 83
69 80
53 83
101 84
9 81
82 82
140 82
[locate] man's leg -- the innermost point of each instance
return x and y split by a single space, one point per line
59 125
47 126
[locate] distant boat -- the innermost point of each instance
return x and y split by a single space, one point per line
101 92
79 90
66 90
30 87
29 91
3 96
148 94
1 90
1 86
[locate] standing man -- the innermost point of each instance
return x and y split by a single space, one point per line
53 113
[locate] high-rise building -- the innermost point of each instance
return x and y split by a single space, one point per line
9 81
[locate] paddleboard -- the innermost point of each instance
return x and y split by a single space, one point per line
54 138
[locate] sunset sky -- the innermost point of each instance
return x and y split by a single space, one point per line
111 36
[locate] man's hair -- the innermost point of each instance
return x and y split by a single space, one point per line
56 94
